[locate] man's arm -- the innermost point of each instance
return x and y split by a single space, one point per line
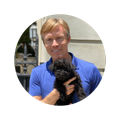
51 98
38 97
95 78
54 95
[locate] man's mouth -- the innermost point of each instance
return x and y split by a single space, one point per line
55 50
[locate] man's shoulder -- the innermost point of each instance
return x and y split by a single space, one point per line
88 68
40 67
84 63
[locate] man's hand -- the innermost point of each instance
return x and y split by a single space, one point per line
52 98
69 88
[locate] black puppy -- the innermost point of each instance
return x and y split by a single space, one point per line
64 70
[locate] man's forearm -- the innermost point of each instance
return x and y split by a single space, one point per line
51 98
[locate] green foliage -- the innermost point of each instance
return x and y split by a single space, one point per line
25 39
16 52
16 46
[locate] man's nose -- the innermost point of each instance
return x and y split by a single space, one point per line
54 44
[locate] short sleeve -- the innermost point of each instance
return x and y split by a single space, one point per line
34 84
95 78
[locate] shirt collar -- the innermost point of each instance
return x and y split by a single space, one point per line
74 62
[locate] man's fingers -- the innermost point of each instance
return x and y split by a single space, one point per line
69 88
70 104
69 91
69 81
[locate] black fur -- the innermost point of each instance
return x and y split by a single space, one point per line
64 70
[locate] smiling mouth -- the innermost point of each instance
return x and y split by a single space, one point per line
56 50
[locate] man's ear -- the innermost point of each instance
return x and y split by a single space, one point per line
69 39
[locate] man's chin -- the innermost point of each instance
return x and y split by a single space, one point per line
57 57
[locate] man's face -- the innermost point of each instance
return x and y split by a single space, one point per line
56 43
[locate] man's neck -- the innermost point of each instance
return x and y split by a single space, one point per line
69 57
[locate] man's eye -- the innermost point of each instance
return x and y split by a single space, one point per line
49 39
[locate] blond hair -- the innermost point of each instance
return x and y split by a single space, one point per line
50 25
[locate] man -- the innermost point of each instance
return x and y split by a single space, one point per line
55 34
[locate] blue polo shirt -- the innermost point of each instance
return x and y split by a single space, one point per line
42 79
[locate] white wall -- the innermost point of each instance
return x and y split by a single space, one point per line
85 42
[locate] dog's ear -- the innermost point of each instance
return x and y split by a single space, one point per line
72 67
51 67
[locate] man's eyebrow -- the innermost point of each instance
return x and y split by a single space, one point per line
58 34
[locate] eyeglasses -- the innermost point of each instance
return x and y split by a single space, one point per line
50 41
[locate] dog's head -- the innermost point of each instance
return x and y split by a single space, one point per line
62 68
